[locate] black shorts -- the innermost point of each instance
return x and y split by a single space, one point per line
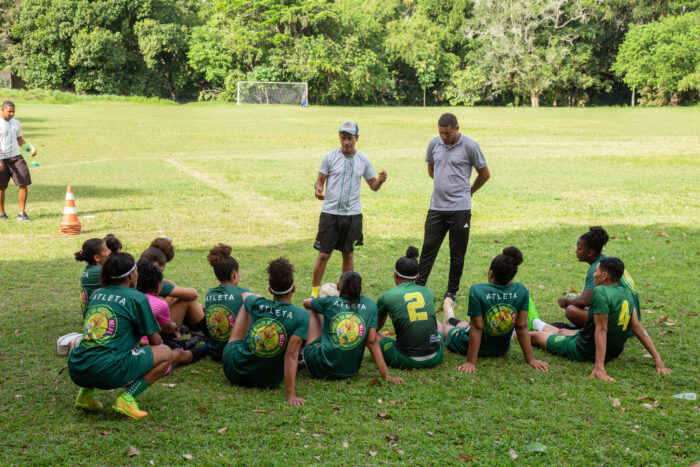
338 233
15 167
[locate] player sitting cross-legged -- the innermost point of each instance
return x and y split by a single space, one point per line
603 337
494 310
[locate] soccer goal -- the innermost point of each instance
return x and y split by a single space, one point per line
272 92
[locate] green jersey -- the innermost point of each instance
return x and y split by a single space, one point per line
345 330
115 320
220 309
618 303
412 311
89 282
499 305
166 289
259 359
626 281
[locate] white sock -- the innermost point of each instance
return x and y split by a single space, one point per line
538 324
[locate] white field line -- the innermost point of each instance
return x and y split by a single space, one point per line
257 204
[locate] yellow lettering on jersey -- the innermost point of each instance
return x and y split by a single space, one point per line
415 300
624 315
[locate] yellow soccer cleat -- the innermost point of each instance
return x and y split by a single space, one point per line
126 404
86 400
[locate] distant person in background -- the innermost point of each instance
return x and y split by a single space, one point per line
12 164
450 157
340 223
304 99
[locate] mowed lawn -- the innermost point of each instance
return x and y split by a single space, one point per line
208 173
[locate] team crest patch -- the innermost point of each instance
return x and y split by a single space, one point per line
220 321
267 337
558 339
500 319
100 326
347 330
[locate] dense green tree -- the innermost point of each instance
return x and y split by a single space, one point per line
663 57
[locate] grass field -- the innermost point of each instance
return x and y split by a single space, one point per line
208 173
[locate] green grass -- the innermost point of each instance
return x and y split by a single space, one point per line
203 173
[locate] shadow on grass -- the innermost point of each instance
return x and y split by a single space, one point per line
42 192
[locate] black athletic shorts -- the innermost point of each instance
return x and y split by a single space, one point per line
338 233
15 168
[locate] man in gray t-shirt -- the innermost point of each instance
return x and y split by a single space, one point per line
450 157
340 224
12 164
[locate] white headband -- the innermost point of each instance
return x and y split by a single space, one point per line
404 277
274 292
125 274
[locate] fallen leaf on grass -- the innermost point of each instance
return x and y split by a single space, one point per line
693 313
670 323
169 385
536 447
373 453
105 433
259 411
383 416
682 311
223 430
541 286
133 452
647 406
188 457
400 451
194 372
661 319
628 238
616 403
375 382
513 454
398 401
465 458
643 398
346 444
647 311
335 409
647 355
315 435
203 410
662 234
318 458
430 433
392 439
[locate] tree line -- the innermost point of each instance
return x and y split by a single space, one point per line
402 52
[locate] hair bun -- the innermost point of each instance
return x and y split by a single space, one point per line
412 252
514 254
218 254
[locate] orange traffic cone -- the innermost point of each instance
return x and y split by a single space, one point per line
70 224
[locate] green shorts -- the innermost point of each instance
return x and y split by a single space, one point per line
395 359
229 358
314 362
457 340
132 366
564 346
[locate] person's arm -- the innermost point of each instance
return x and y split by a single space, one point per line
376 351
20 142
184 293
601 342
523 332
431 170
318 186
307 303
377 182
170 328
483 175
291 362
648 344
581 301
155 339
476 327
242 323
381 316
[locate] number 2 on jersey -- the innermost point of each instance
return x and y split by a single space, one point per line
415 300
624 315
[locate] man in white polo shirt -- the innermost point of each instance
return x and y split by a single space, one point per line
340 223
450 159
12 164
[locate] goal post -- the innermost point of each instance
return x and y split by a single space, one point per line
271 92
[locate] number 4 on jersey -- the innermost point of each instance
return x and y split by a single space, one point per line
624 316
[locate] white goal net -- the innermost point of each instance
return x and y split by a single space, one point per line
271 92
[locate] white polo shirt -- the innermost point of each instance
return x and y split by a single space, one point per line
9 131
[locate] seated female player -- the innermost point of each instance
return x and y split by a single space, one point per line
149 283
95 253
182 301
264 345
494 310
412 312
603 338
108 357
589 249
339 329
223 301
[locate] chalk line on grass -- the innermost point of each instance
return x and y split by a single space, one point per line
257 204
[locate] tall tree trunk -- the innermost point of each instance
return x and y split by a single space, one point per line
424 97
535 98
634 95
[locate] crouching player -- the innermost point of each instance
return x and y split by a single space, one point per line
264 345
339 329
108 357
611 312
494 310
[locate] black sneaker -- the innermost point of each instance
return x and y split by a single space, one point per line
190 343
450 295
3 216
561 325
200 352
22 216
